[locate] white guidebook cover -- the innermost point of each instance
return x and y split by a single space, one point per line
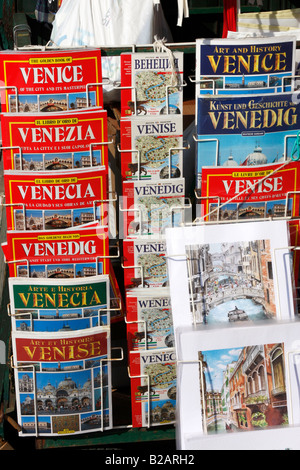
151 83
151 148
144 262
149 319
149 207
230 273
153 387
231 387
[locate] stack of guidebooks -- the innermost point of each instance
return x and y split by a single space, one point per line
232 283
61 282
153 188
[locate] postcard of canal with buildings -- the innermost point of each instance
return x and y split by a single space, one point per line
232 281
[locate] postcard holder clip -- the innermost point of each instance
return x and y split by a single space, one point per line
217 209
94 145
203 80
138 152
186 205
296 149
211 140
287 201
106 81
33 369
103 201
286 137
101 378
202 388
12 148
289 77
134 107
180 85
12 87
141 268
147 377
174 149
139 223
186 258
286 248
144 328
23 210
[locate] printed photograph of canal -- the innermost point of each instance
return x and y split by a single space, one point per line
243 388
231 282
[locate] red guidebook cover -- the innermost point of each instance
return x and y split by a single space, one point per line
50 81
53 200
80 252
61 141
231 193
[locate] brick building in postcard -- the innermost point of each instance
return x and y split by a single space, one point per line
257 388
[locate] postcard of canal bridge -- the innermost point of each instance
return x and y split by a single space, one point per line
235 274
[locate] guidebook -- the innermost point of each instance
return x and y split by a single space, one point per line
151 206
76 252
231 273
149 319
57 305
263 191
66 140
151 83
144 262
62 382
233 385
56 200
246 130
244 66
153 387
151 148
50 80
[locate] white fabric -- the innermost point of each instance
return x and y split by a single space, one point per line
183 11
108 23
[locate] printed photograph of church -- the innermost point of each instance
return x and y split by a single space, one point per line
231 282
243 388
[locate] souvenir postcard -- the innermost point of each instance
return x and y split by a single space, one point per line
151 148
149 319
50 80
260 192
232 384
246 130
151 206
153 387
49 201
244 66
57 305
79 252
294 231
62 382
144 262
151 83
66 140
231 273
